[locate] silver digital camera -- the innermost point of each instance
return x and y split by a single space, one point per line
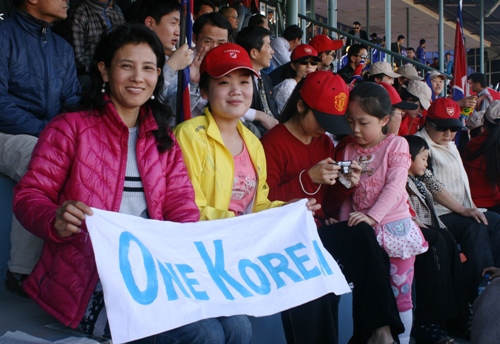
344 166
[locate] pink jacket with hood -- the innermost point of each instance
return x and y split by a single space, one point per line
82 156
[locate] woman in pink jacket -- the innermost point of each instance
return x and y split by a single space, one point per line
118 154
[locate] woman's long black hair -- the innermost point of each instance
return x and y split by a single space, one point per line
93 98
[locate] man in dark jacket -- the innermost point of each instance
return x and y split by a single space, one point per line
356 31
256 41
37 79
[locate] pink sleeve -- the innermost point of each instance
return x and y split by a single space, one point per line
179 205
398 162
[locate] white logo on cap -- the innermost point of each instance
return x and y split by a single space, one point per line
308 50
451 111
233 53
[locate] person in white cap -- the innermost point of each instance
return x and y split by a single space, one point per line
382 72
419 93
437 82
407 72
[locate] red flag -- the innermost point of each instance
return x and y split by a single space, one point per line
459 82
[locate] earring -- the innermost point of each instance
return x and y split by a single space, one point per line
103 89
152 97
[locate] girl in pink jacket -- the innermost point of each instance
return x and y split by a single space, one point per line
380 198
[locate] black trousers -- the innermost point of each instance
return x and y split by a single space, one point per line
480 243
439 280
366 265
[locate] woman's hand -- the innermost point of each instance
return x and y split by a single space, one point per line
357 217
69 218
354 174
476 214
494 272
324 172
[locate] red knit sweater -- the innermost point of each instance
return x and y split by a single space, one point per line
483 194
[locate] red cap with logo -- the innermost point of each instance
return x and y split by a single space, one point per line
324 43
327 95
304 51
445 113
224 59
396 99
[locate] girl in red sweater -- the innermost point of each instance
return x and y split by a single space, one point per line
300 165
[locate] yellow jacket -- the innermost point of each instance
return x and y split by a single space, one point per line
210 166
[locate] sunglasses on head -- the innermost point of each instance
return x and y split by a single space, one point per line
306 62
442 129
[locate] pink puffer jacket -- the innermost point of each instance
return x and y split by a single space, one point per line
82 156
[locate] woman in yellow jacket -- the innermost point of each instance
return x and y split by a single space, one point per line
225 161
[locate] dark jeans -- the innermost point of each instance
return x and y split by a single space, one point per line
480 243
439 280
366 265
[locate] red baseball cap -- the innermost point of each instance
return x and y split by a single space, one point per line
327 95
224 59
324 43
445 112
303 51
396 99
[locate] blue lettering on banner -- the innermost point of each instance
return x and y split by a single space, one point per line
176 277
217 271
299 262
265 285
149 294
169 277
184 269
282 267
325 268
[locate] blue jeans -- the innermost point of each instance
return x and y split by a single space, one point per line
235 329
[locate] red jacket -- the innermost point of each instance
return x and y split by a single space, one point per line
82 156
483 194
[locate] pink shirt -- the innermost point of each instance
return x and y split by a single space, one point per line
381 192
244 183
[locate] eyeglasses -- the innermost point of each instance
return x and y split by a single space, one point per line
362 56
356 27
444 129
306 62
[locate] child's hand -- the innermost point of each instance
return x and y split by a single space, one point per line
324 172
357 217
354 173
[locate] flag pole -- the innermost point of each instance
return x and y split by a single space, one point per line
180 74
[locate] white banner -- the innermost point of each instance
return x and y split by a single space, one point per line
159 275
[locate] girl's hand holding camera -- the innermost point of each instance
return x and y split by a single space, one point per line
354 173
